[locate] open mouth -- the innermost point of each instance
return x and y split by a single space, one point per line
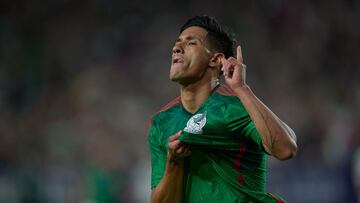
177 60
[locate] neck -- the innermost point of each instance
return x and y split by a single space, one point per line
194 95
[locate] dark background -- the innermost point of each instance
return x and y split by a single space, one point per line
79 81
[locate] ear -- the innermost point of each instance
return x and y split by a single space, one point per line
215 61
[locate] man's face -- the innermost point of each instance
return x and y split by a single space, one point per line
190 57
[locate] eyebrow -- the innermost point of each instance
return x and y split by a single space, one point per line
188 38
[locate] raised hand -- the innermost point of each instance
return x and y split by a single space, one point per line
234 70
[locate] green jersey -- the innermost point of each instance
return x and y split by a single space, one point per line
227 162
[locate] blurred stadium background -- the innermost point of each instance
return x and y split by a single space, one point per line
79 81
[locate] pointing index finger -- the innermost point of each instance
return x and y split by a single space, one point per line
239 54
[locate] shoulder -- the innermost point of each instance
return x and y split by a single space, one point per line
228 99
224 93
164 113
165 110
224 90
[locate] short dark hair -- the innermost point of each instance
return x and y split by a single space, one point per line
220 39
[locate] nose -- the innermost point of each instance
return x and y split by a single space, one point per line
177 49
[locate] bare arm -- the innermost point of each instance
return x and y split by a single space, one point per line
278 138
170 188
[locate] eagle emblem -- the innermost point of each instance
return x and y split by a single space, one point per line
196 123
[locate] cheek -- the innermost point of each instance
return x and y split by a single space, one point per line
200 60
198 67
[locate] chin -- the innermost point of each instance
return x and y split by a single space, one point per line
175 75
174 78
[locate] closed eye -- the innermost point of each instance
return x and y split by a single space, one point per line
192 42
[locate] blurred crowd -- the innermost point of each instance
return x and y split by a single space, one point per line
79 81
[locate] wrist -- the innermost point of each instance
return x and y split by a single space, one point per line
174 160
240 88
174 165
243 92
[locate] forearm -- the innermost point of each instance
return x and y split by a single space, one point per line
278 139
170 188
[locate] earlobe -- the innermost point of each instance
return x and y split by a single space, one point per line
215 63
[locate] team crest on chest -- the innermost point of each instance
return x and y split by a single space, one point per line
196 123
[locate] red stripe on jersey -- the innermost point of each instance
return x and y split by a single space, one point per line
148 128
170 104
238 161
239 156
277 199
225 91
168 107
164 108
229 89
221 93
150 123
241 179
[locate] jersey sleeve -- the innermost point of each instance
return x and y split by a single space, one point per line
239 122
158 155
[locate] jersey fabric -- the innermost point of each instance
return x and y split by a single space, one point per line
227 161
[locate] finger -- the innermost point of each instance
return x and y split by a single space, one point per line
175 137
188 148
239 72
183 151
187 152
174 145
228 70
239 54
225 70
223 62
180 151
233 60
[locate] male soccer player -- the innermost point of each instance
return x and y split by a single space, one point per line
210 143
